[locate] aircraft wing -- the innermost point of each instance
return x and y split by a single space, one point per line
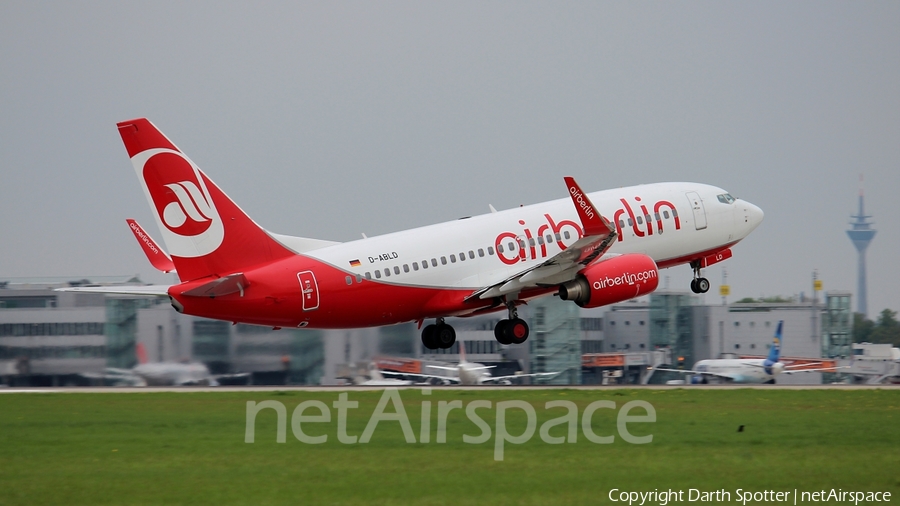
419 375
156 290
691 371
599 235
456 368
547 375
821 369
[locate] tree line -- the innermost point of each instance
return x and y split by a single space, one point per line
884 330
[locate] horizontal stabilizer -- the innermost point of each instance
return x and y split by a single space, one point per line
155 290
222 286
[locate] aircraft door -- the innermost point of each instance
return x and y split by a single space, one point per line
697 208
309 289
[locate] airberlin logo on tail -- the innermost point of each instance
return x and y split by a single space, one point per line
186 212
191 204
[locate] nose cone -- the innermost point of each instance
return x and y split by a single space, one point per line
750 216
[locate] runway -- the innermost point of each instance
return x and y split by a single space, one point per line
347 388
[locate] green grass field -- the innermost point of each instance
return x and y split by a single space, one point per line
188 448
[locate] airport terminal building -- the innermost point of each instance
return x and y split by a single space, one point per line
54 338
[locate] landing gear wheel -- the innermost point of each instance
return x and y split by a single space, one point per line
699 284
444 336
429 337
500 332
517 331
702 285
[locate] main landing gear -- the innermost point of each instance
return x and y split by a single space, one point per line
508 331
511 331
698 284
438 335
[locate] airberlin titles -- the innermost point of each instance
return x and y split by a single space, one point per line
144 238
582 202
533 245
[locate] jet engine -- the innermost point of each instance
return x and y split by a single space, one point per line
614 280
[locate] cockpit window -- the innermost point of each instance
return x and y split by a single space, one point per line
725 198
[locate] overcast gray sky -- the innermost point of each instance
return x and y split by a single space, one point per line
328 119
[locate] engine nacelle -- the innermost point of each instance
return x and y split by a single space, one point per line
615 280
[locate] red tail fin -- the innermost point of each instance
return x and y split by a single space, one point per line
205 232
141 353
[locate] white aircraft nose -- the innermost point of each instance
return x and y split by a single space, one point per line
749 214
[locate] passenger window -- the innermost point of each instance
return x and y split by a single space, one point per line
387 272
656 215
675 213
630 223
491 250
666 214
480 252
349 280
521 244
378 274
368 276
471 255
415 266
396 270
434 262
639 221
566 234
531 242
443 260
358 278
511 246
558 237
549 238
424 264
462 256
452 259
647 217
499 248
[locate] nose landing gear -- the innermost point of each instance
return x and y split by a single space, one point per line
698 284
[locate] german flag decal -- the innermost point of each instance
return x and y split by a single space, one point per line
355 263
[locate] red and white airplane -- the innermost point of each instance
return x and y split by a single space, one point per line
232 269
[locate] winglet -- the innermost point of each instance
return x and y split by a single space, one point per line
158 258
591 220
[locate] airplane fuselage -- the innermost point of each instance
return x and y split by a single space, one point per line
740 370
431 271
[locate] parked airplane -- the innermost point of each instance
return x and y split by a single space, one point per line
376 379
232 269
753 370
472 373
163 373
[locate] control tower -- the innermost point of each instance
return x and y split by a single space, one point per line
861 234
